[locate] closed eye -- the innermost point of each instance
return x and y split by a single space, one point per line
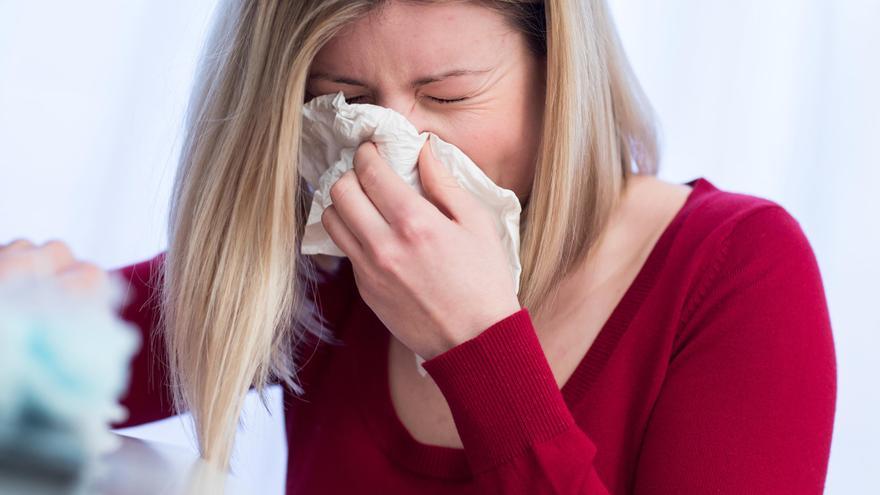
441 100
358 99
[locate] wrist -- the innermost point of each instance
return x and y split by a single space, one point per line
480 325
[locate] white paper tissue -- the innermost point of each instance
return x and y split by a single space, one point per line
332 131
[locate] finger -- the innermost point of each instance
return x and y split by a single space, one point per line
341 234
395 200
441 187
46 259
16 245
57 253
357 211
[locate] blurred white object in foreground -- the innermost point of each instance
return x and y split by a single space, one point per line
64 363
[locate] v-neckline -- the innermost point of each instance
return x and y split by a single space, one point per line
371 379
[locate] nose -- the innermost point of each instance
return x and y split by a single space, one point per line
406 105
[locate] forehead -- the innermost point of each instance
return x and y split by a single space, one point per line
405 37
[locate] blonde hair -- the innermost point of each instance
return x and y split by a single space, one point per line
236 305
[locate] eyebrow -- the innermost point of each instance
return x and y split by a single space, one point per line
416 83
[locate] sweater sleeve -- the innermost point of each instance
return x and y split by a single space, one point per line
517 431
747 405
147 398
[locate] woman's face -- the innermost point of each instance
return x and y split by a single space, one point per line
411 58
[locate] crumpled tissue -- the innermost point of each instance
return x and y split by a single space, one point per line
332 131
64 362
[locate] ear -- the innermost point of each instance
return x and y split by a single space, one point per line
441 187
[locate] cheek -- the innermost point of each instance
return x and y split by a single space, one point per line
503 148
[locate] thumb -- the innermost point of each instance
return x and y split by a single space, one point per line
440 185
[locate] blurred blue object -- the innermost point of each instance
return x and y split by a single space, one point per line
64 363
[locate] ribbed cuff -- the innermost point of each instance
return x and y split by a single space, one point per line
501 391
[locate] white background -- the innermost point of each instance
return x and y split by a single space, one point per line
777 99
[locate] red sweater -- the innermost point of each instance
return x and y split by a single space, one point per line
715 373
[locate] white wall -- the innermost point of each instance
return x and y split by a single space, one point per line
780 99
92 96
777 99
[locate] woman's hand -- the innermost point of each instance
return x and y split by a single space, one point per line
433 270
54 260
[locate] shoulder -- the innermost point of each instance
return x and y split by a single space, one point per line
714 221
749 246
755 293
727 239
740 222
706 219
716 208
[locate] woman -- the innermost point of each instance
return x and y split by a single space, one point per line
665 338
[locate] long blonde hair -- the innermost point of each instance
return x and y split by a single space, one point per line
236 304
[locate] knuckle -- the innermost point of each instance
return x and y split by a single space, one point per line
16 244
414 230
368 175
83 276
363 152
340 187
387 258
326 216
450 182
57 250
